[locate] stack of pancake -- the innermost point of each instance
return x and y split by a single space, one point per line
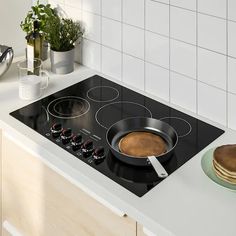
142 144
224 163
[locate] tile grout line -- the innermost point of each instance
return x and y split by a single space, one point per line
227 64
197 74
82 41
101 57
122 43
169 56
144 56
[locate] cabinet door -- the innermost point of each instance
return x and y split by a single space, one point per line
40 202
1 181
140 230
5 233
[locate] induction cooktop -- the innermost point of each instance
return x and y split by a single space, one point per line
77 119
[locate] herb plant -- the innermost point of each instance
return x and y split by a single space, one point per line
62 33
41 13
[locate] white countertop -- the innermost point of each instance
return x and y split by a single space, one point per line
186 203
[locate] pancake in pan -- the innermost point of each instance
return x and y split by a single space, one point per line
142 144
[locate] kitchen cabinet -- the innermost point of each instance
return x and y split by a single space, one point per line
5 233
40 202
140 230
1 178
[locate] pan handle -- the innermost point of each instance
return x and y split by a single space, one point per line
161 172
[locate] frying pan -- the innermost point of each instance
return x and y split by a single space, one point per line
123 127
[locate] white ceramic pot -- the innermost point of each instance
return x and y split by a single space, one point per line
62 62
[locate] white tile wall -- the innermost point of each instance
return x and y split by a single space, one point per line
188 4
133 12
92 26
133 71
213 7
212 68
72 12
157 49
111 62
183 25
212 33
232 38
186 98
91 54
112 9
111 33
183 58
232 110
133 41
183 51
157 81
157 17
232 10
73 3
232 75
93 6
212 103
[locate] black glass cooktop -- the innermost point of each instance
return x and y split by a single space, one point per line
82 113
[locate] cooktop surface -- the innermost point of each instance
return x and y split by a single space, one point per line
77 119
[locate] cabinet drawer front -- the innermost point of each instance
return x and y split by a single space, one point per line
10 230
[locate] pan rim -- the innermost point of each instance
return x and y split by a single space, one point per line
143 158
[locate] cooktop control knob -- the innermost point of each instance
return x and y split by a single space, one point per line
66 135
87 147
76 141
99 154
56 130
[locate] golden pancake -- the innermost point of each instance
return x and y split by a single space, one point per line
223 171
225 157
223 177
142 144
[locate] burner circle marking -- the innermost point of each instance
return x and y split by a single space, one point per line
85 107
108 87
127 102
61 101
181 119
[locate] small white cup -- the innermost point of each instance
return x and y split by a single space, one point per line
32 82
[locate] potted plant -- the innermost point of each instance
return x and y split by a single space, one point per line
62 33
39 14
